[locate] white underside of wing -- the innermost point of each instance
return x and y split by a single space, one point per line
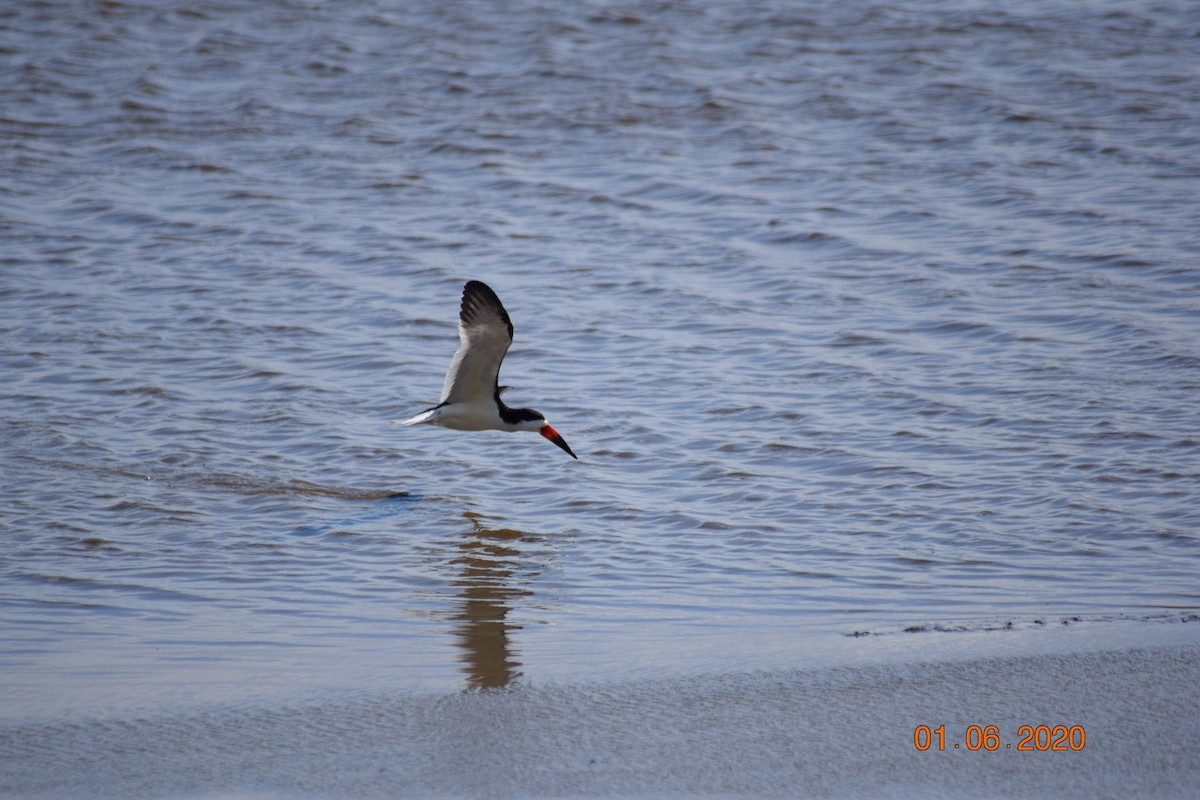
473 370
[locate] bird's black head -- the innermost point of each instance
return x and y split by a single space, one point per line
515 416
526 419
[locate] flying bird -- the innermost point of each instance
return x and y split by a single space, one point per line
471 394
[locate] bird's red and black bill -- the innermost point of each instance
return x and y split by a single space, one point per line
553 436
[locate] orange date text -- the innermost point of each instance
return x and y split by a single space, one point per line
989 737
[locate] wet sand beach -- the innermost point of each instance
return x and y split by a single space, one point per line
842 732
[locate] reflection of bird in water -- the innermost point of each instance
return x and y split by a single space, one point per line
487 562
471 394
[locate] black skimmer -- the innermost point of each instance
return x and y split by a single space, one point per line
471 394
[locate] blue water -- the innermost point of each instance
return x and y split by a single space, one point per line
862 318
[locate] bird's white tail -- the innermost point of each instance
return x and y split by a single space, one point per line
424 416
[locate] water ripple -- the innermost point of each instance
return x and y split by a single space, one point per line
862 318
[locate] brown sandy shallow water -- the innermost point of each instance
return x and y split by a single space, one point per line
837 732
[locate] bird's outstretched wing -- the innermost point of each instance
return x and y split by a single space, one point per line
485 332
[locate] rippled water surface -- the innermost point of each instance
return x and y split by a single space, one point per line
863 318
